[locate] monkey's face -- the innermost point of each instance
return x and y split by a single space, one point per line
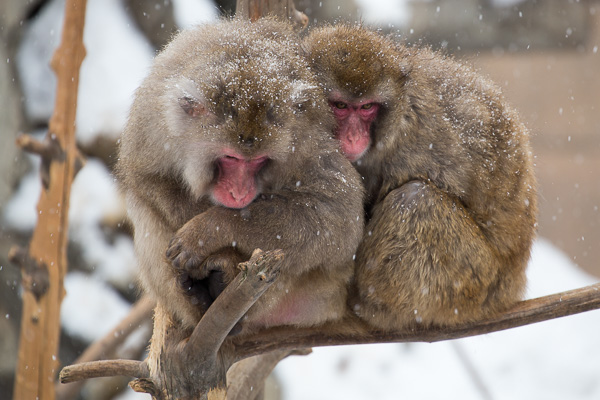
362 77
237 129
354 121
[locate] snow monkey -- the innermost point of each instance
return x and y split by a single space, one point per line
228 148
451 194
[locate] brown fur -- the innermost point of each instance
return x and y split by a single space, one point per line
451 193
233 84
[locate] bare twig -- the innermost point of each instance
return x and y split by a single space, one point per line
98 369
140 312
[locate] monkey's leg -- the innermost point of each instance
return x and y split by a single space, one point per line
424 261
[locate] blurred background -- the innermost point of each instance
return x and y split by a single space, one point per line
545 56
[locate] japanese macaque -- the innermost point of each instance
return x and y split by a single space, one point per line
228 148
451 194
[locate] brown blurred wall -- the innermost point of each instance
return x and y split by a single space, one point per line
558 95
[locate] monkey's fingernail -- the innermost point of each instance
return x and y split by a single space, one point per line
179 261
190 263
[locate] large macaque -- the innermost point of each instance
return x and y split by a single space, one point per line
227 149
451 195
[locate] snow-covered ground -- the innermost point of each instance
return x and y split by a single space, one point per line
557 359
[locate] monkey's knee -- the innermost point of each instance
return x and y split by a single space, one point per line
408 194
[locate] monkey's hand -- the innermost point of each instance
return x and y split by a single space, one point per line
201 275
203 245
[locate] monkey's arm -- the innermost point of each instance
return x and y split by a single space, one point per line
315 221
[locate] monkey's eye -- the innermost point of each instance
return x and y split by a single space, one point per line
367 106
192 106
340 105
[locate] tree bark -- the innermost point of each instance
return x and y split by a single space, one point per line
255 9
40 325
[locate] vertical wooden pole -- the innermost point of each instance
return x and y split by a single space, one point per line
40 327
254 9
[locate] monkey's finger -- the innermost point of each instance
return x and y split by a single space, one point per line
216 283
199 297
174 248
196 290
184 281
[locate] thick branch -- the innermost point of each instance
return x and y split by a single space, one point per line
40 325
255 9
197 366
246 379
255 278
524 313
289 338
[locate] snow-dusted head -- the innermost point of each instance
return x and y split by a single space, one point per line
225 106
363 77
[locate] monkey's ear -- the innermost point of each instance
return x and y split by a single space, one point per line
302 93
192 107
304 49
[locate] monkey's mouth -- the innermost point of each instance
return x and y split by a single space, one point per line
236 185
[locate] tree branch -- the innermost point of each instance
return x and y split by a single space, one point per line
99 369
524 313
255 278
197 365
140 312
289 338
40 324
246 378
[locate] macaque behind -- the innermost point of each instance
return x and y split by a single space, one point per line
451 194
228 149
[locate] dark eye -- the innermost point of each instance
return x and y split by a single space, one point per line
367 106
341 105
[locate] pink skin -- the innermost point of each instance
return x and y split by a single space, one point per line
236 183
354 126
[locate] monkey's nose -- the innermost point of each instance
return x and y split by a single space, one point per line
247 141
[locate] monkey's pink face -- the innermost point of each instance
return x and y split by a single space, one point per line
354 126
236 184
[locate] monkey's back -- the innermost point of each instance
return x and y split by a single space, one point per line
491 171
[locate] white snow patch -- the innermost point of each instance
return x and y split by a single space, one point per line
91 308
506 3
188 13
20 211
95 199
117 59
385 12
